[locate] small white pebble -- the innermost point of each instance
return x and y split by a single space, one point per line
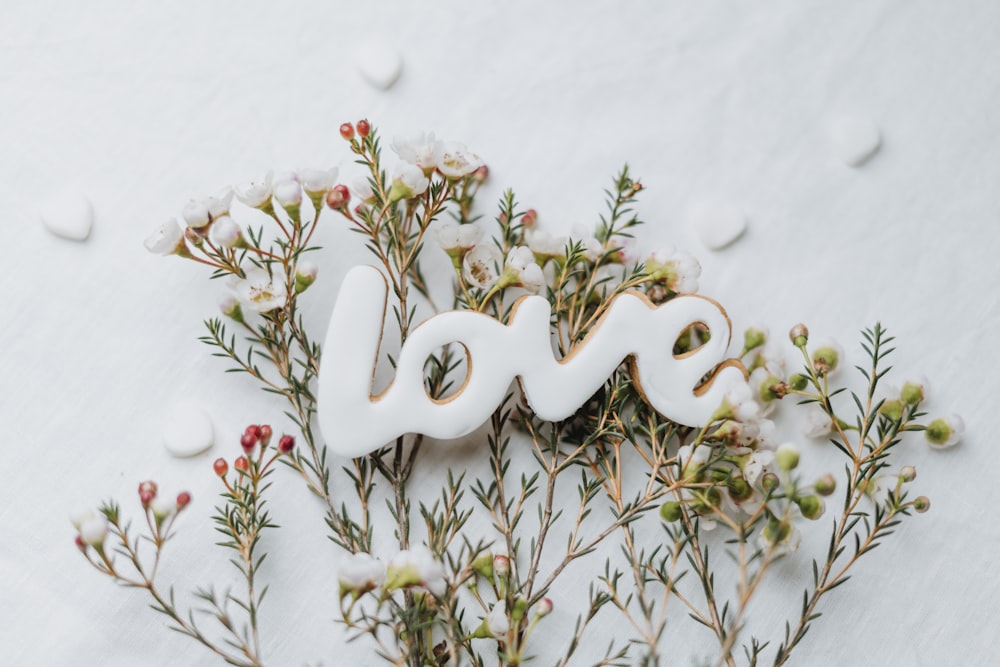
68 214
379 62
717 225
187 430
854 139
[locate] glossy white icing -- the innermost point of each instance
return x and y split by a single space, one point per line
355 422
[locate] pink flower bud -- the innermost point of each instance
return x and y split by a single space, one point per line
286 444
265 435
242 464
183 499
221 467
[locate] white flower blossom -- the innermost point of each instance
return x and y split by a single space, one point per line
520 270
363 190
677 269
81 515
421 150
817 423
453 237
497 622
359 573
255 194
545 245
260 291
454 160
416 567
168 239
592 248
225 232
318 181
691 459
163 507
218 205
288 193
756 464
408 181
94 530
480 268
195 214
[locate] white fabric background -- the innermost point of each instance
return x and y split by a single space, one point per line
144 105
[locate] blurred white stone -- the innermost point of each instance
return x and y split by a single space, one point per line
379 62
187 430
716 224
854 139
68 214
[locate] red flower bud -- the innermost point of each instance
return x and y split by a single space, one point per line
286 444
242 464
183 499
347 131
221 467
247 442
265 435
529 218
147 491
252 430
338 197
80 544
364 127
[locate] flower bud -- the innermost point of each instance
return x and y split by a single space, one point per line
364 127
80 544
799 335
347 131
786 457
288 194
753 338
265 434
286 444
501 565
481 174
826 357
810 506
305 274
483 565
221 467
914 391
921 504
892 409
670 511
242 464
183 500
147 492
907 474
248 442
798 381
338 197
544 607
825 485
769 481
529 219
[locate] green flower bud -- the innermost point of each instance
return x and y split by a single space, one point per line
670 511
912 392
921 504
825 485
519 610
739 489
892 409
799 335
786 457
752 339
483 565
810 506
798 381
769 481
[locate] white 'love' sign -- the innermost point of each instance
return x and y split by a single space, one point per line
357 422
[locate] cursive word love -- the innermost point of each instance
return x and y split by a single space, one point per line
357 422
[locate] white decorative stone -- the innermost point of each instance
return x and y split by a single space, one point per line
68 214
187 430
379 62
854 139
717 225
